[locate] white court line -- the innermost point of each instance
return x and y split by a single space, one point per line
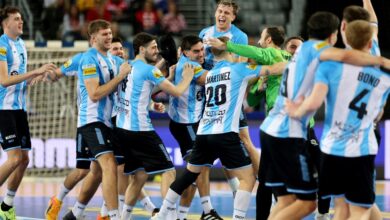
28 218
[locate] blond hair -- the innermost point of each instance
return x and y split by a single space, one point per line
358 33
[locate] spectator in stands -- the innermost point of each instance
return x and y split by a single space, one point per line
100 11
52 18
73 25
161 6
173 22
85 5
292 44
147 18
117 9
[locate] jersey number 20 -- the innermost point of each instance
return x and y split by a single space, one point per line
219 92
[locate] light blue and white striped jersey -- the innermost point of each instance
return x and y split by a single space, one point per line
349 113
234 34
95 65
187 108
71 66
225 89
135 95
118 62
298 80
14 53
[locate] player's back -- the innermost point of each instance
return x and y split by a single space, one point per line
298 80
355 97
225 89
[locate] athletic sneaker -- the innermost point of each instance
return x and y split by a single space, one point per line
157 217
155 211
319 216
53 209
69 216
211 215
8 215
99 217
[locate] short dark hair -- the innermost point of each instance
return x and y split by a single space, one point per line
142 40
322 24
189 41
293 38
354 12
358 33
117 40
229 3
6 11
97 25
277 34
218 52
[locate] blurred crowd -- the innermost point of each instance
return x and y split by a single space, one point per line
68 19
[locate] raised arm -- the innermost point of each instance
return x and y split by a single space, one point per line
7 80
276 69
302 107
179 89
354 57
373 18
97 92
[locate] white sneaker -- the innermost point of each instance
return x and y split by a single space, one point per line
157 217
319 216
172 214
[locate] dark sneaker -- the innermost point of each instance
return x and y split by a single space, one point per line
69 216
155 211
212 215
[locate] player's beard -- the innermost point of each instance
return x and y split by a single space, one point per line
150 58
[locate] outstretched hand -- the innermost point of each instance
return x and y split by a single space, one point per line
188 71
215 42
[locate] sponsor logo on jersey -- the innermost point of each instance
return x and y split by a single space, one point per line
321 45
251 66
197 70
89 69
3 51
68 63
157 73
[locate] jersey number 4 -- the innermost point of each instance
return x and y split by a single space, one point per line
219 92
353 105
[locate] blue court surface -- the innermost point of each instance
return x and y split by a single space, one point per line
31 201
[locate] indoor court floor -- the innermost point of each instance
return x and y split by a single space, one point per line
34 194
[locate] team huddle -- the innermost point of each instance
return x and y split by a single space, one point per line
118 148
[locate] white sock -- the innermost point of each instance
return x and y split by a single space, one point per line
9 197
241 204
126 211
147 204
169 202
78 209
121 201
234 183
114 214
104 209
206 204
63 192
182 212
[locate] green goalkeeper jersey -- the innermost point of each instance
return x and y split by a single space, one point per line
263 56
